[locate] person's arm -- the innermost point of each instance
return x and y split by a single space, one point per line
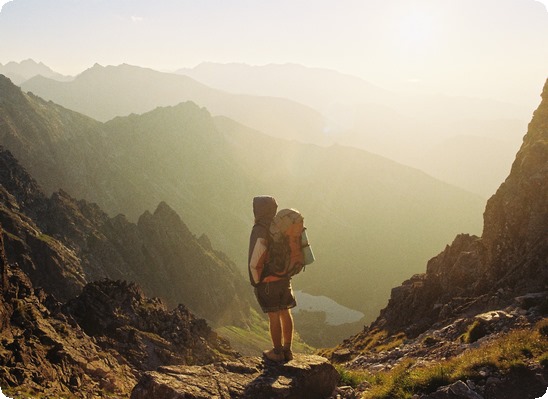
257 259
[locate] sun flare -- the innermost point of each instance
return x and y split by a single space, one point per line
416 29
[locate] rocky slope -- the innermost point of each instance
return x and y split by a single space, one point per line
97 344
477 291
62 244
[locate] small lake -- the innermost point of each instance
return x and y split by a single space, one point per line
336 314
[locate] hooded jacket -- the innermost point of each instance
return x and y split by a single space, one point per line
264 209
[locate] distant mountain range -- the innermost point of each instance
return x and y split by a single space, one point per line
20 72
106 92
317 106
417 130
371 220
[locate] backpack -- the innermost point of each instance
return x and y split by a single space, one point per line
289 250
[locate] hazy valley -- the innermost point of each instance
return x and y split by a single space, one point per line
113 190
208 169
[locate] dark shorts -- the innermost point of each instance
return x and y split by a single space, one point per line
275 296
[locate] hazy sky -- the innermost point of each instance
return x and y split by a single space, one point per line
489 48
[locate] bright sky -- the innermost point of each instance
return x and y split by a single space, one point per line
495 48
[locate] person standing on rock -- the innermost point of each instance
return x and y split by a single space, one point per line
274 294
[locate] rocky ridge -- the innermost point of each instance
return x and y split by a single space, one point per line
95 345
78 243
474 293
103 335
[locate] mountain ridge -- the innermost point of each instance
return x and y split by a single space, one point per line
316 105
133 163
409 128
145 89
158 249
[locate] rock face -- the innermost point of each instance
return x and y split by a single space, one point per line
305 377
142 330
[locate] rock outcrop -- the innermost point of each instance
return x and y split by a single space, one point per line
142 330
305 377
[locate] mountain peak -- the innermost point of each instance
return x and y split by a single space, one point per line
20 72
164 209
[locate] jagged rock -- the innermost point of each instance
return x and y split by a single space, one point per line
305 377
457 390
142 330
45 353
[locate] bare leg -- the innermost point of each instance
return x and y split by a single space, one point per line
275 325
287 327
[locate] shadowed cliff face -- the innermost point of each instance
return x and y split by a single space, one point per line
477 274
516 217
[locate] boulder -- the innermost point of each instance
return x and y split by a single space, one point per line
305 377
457 390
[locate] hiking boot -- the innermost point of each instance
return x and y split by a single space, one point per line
274 355
288 355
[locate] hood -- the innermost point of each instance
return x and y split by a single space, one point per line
264 209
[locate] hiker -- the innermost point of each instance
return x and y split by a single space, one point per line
273 293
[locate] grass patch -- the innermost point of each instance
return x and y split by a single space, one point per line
46 238
511 351
475 331
378 341
352 378
391 343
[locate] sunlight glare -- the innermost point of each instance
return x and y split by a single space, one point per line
416 28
